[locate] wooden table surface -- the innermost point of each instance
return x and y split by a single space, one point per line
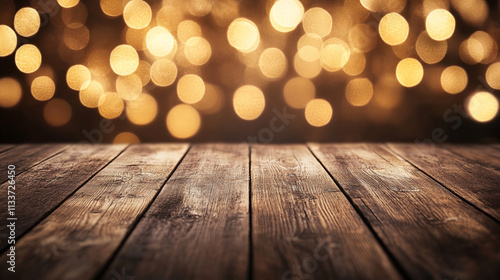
233 211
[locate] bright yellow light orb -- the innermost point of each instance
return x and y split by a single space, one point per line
137 14
307 69
334 54
482 106
197 50
67 3
190 88
144 72
183 121
126 138
57 112
10 92
243 35
359 92
429 50
493 75
159 41
298 92
8 41
285 15
318 112
212 100
112 8
142 110
129 87
124 60
28 58
89 96
110 105
440 24
317 21
163 72
409 72
393 29
43 88
272 63
78 76
27 22
188 29
248 102
454 79
356 64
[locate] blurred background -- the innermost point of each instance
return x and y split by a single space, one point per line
249 71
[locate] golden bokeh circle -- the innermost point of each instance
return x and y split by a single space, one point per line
393 29
493 75
143 110
57 112
454 79
10 92
110 105
28 58
43 88
243 35
318 112
409 72
248 102
273 63
90 94
482 106
124 60
163 72
137 14
298 91
78 76
440 24
359 92
129 87
27 22
190 88
183 121
8 41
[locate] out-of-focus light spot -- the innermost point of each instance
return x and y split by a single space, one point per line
272 63
27 22
199 8
429 50
197 50
68 3
384 5
243 35
10 92
409 72
310 39
137 14
493 75
454 79
28 58
124 60
159 41
212 100
144 72
309 53
126 138
129 87
471 51
482 106
334 54
137 38
440 24
98 62
306 69
163 72
43 88
318 112
169 17
76 38
110 105
363 37
183 121
90 94
57 112
393 29
356 64
190 88
75 16
387 93
113 8
474 12
142 110
8 41
317 21
489 46
298 92
77 76
359 92
285 15
248 102
188 29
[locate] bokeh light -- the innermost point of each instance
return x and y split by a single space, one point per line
440 24
317 21
298 91
318 112
393 29
248 102
68 3
137 14
124 60
126 138
454 79
482 106
285 15
110 105
197 50
43 88
112 8
273 63
10 92
493 75
159 41
129 87
188 29
212 101
77 76
27 22
163 72
183 121
409 72
429 50
359 92
28 58
190 88
142 110
8 41
57 112
243 35
90 94
334 54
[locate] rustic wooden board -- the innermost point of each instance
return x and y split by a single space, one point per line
198 226
39 191
5 147
485 155
465 177
431 233
92 223
303 226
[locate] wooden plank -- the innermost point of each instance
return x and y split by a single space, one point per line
466 178
39 191
198 226
3 147
484 155
92 223
431 233
303 227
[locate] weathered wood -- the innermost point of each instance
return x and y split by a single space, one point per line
3 147
198 226
39 191
92 223
432 233
471 181
303 226
485 155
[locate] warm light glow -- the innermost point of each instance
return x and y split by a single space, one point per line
307 69
317 21
190 88
318 112
493 75
429 50
363 37
113 8
78 76
285 15
248 102
454 79
137 38
359 92
57 112
309 53
110 105
471 51
188 29
334 54
482 106
43 88
137 14
212 100
68 3
393 29
124 60
159 41
310 40
76 38
163 72
183 121
98 62
142 110
28 58
129 87
440 24
27 22
298 92
197 50
126 138
144 72
90 94
474 12
488 44
8 41
10 92
243 35
356 64
409 72
273 63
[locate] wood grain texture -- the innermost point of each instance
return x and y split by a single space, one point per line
303 226
484 155
465 177
3 147
198 226
92 223
432 233
45 186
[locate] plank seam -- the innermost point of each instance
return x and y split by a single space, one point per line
391 257
480 164
250 238
7 149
